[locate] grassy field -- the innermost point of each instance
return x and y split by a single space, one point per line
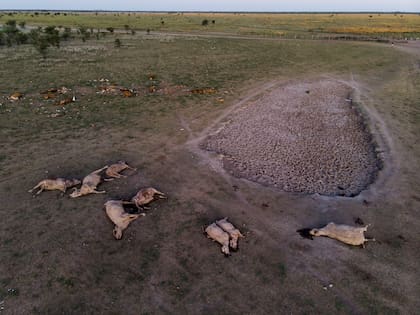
57 255
284 25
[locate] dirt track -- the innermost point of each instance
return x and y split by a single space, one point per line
300 138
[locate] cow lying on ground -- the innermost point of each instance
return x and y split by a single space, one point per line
55 184
15 96
116 213
344 233
145 196
127 92
89 184
66 101
217 234
114 170
233 232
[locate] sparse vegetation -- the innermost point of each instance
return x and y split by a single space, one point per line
284 25
165 255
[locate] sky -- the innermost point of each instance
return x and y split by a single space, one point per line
215 5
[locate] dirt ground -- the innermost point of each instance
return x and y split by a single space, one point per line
58 255
302 137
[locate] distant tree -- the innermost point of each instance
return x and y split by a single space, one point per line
39 41
205 22
10 32
117 43
11 24
84 33
66 34
52 36
21 38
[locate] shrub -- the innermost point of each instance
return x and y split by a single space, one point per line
66 34
110 29
52 36
205 22
11 24
84 32
39 41
117 43
44 38
10 32
21 38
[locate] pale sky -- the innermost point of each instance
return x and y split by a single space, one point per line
216 5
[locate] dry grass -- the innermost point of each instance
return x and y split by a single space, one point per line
373 24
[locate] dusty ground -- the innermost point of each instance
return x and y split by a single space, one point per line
58 255
300 137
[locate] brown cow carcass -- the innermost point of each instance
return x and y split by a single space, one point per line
116 213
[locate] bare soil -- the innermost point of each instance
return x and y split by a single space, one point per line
300 137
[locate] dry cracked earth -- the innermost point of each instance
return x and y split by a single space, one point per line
302 138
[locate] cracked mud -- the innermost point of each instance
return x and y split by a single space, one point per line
302 138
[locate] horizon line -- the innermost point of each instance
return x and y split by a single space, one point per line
198 11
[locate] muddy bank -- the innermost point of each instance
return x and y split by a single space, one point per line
305 138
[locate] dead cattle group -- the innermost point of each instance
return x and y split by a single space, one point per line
114 208
221 231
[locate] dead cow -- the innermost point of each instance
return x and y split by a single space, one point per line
66 101
217 234
15 96
344 233
116 213
50 93
114 170
127 92
89 184
55 184
233 232
145 196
